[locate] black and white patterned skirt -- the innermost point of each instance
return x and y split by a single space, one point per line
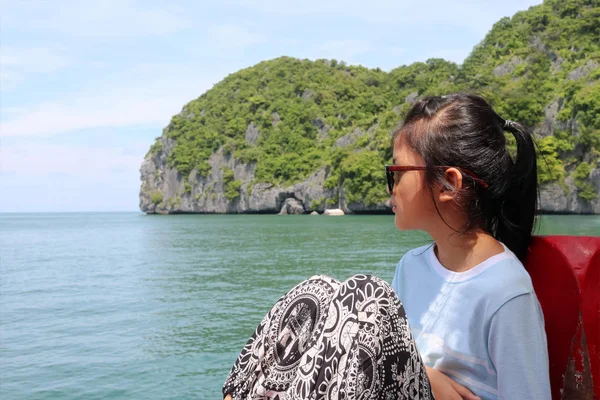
327 339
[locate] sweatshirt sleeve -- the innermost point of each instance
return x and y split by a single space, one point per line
518 349
397 280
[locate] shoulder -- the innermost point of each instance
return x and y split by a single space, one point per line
417 254
410 269
504 281
413 258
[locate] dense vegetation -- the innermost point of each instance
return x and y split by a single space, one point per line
548 54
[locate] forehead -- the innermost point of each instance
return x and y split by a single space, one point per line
404 155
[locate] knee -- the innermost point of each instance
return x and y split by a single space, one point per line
361 280
369 285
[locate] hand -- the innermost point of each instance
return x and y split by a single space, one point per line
444 388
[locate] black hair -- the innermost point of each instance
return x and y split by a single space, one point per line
462 130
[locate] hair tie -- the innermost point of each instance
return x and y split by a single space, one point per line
507 124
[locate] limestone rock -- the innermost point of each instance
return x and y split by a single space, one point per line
291 206
507 67
307 94
252 133
412 98
583 71
322 127
349 138
276 118
334 212
555 198
550 113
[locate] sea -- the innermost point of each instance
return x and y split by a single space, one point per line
135 306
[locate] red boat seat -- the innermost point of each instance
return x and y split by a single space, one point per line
591 317
565 271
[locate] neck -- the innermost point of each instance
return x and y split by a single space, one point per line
460 252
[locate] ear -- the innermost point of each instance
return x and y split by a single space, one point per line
452 185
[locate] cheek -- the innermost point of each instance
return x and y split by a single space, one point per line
407 192
413 203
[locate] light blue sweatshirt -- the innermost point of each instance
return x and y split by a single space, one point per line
484 328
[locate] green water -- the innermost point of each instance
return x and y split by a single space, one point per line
129 306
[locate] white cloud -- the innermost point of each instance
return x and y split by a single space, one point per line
38 59
31 159
90 18
119 109
369 54
454 55
43 176
9 80
475 15
235 35
345 49
145 95
113 192
13 110
17 63
48 177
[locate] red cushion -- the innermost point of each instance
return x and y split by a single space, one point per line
565 271
591 316
558 292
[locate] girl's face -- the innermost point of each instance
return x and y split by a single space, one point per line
411 200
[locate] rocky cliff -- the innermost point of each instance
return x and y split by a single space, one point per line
165 190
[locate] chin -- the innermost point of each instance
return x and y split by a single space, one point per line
404 225
399 223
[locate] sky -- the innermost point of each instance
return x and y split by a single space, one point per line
86 86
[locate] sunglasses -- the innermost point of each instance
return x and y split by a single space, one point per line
391 172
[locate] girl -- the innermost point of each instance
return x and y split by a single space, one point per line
469 301
477 325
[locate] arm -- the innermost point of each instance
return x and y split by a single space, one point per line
444 388
517 347
396 280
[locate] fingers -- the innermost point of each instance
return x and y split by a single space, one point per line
463 391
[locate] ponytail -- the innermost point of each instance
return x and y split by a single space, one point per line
516 216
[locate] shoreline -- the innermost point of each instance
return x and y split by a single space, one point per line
9 213
308 213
